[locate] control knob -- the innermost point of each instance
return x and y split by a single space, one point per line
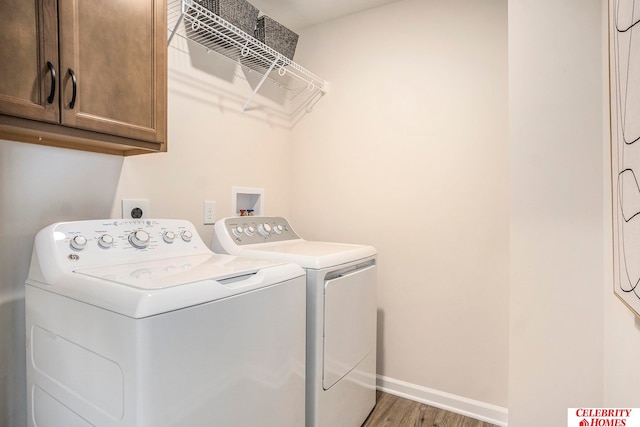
105 241
139 239
278 229
168 236
237 231
78 243
264 229
186 235
249 231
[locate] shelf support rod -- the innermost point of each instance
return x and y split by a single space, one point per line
264 77
175 28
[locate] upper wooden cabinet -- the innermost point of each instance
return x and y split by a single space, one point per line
29 59
86 74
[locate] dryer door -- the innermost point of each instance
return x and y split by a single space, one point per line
349 322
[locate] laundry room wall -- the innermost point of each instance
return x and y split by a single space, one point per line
558 134
38 186
409 152
212 145
621 327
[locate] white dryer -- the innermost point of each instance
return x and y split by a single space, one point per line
341 313
138 324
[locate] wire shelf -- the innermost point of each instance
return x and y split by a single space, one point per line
190 20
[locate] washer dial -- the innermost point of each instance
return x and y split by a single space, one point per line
139 239
105 241
78 243
168 236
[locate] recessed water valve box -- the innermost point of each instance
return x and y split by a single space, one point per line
247 201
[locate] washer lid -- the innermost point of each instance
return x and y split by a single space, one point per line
149 288
161 274
309 254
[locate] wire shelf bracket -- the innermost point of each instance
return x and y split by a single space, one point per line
190 20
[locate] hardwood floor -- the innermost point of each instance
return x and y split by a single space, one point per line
393 411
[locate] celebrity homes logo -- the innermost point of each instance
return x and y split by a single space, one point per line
603 417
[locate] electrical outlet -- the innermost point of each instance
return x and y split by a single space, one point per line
135 208
209 213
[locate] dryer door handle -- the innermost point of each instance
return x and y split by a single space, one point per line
350 270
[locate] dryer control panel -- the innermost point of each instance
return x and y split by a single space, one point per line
249 230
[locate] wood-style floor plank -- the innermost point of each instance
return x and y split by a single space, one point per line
394 411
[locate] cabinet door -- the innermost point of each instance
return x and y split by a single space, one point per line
28 42
116 52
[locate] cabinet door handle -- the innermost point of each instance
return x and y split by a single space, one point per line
74 82
52 94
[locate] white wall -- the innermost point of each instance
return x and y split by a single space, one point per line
409 153
212 146
621 328
38 186
621 349
556 199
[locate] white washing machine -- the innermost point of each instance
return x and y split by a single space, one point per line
137 323
341 313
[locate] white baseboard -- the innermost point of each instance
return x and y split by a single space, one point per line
460 405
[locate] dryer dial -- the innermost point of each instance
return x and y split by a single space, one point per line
237 231
264 229
186 235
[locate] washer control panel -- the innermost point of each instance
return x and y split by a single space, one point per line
106 242
248 230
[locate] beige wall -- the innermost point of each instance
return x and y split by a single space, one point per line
409 153
212 145
38 186
557 243
621 328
